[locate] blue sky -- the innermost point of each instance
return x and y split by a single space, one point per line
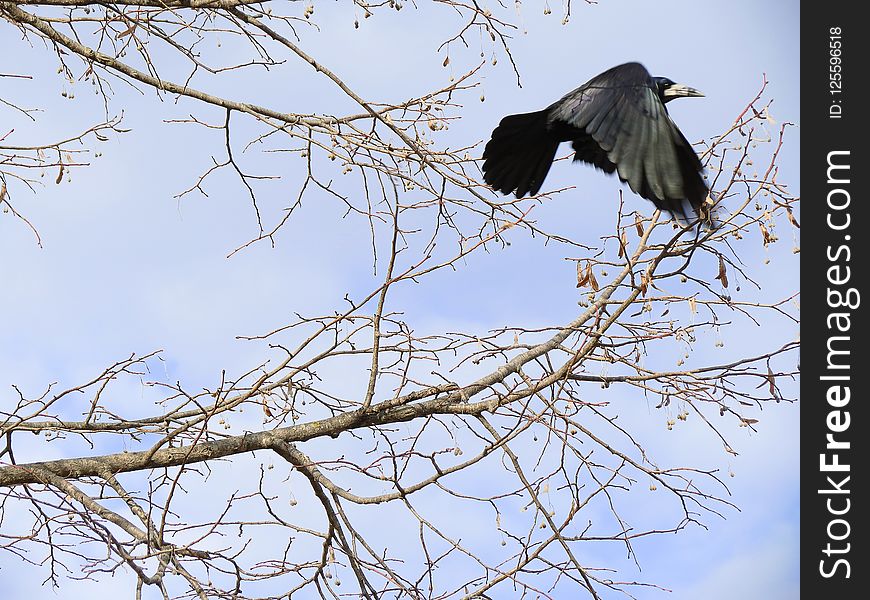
126 267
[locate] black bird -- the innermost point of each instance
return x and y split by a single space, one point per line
616 121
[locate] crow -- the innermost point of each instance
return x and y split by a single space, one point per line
617 121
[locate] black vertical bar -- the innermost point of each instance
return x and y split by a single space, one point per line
835 257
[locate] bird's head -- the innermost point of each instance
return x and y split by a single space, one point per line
668 90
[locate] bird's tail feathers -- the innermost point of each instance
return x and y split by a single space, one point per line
520 153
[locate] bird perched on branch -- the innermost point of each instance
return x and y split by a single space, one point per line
616 121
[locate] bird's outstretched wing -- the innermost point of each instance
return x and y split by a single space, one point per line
617 121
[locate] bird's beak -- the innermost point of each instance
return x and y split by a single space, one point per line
679 90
